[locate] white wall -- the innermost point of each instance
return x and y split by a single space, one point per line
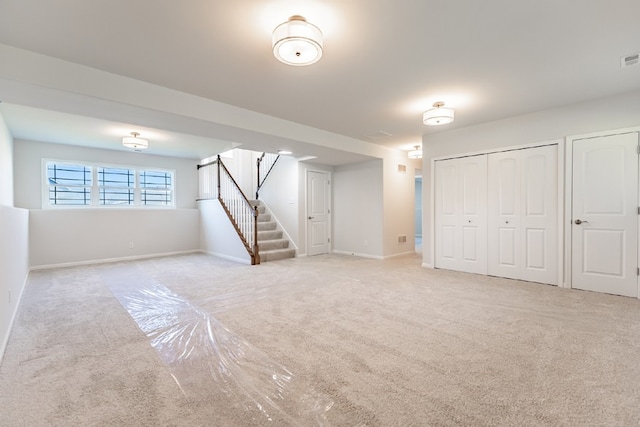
358 208
28 157
418 206
6 165
399 204
81 235
281 194
217 234
600 115
14 242
75 236
14 265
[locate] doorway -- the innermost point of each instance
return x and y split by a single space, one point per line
318 212
604 214
418 211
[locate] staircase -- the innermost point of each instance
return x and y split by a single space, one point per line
273 245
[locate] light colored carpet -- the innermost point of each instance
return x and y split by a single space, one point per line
365 342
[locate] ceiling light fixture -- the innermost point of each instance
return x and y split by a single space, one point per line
135 142
284 152
415 154
297 42
438 115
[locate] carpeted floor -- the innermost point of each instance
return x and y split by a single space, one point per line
329 340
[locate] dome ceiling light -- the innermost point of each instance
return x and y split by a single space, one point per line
438 115
134 142
415 154
297 42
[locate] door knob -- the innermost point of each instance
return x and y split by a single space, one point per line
310 217
579 221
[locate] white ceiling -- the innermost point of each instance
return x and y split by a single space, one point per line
384 62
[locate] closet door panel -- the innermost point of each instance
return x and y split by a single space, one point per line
506 247
448 243
522 198
536 256
535 184
474 213
447 217
539 214
506 165
504 214
460 214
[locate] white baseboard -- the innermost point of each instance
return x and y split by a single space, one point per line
228 258
427 265
111 260
400 254
369 256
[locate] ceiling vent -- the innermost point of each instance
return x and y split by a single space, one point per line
378 135
630 60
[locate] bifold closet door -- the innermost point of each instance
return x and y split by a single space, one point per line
523 214
461 214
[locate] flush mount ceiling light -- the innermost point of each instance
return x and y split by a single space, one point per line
134 142
284 152
297 42
415 154
438 115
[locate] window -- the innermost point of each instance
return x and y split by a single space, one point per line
69 184
156 188
74 184
116 186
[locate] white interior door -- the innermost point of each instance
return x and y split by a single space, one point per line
461 214
318 210
523 214
604 235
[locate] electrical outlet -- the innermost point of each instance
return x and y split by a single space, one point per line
131 245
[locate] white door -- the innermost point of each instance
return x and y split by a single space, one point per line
523 214
604 235
318 210
461 214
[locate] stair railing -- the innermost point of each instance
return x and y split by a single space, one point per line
241 213
265 164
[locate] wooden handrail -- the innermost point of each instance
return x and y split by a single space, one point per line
261 181
235 184
212 162
250 242
237 213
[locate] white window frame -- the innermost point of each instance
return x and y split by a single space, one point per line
133 188
95 187
46 186
139 189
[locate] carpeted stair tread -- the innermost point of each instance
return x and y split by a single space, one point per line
269 235
268 245
277 254
266 226
271 241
